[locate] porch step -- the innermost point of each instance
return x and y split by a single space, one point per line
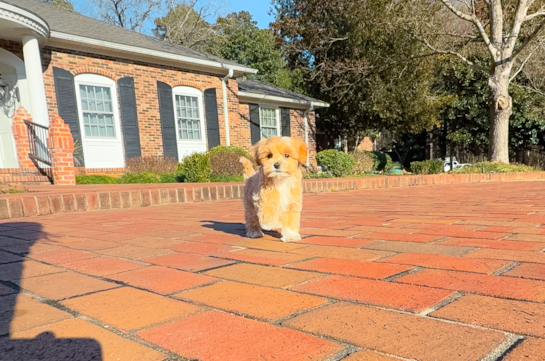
25 178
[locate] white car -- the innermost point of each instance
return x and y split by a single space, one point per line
455 164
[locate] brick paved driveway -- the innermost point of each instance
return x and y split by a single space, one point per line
429 273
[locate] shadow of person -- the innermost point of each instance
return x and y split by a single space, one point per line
236 229
16 240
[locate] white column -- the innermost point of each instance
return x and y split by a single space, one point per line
35 80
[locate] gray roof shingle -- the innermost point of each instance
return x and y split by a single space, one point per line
67 22
257 87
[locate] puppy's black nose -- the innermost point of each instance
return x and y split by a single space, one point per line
277 165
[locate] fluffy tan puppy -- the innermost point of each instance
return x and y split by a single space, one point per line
273 197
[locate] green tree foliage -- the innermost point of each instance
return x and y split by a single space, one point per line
465 114
242 41
359 56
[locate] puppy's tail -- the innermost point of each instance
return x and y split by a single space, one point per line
248 167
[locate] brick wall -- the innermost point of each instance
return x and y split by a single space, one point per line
146 76
145 79
297 127
366 144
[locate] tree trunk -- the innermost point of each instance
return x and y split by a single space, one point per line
501 108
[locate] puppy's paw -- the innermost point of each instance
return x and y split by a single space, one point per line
254 234
290 236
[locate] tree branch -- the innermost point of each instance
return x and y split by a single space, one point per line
449 52
523 64
475 21
520 17
539 13
528 40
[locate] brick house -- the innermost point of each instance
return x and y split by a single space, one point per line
124 94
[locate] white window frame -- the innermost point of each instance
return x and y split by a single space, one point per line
278 120
102 81
191 92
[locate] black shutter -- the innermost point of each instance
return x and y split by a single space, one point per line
286 122
212 122
168 127
129 117
254 123
67 107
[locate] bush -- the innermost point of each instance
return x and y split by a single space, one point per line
96 179
226 178
171 178
364 162
196 168
427 167
241 152
338 163
315 175
226 163
145 177
495 167
383 162
155 165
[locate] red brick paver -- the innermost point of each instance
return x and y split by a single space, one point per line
219 336
442 272
399 334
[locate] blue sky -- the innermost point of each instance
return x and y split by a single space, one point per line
258 8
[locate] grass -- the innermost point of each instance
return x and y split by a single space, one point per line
12 190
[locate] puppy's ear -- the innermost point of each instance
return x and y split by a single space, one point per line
254 152
302 151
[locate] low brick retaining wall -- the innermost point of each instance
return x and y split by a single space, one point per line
46 200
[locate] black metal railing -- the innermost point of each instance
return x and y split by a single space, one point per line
39 154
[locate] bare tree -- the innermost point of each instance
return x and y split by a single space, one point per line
130 14
509 30
187 24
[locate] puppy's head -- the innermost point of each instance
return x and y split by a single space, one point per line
280 156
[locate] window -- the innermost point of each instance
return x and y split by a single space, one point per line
188 117
268 119
98 112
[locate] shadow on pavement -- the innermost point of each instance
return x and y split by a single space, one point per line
236 229
45 346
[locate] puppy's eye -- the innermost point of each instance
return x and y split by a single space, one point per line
269 156
286 155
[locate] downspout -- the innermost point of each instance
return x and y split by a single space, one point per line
311 108
226 106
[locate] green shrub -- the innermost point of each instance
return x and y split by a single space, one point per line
427 167
339 164
495 167
196 168
230 149
226 178
155 165
383 162
96 179
172 177
145 177
364 162
316 175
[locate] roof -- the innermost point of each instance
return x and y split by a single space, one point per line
251 88
64 24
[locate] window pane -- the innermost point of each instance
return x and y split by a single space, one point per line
97 107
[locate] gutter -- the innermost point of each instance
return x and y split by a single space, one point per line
273 98
311 108
226 105
55 35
